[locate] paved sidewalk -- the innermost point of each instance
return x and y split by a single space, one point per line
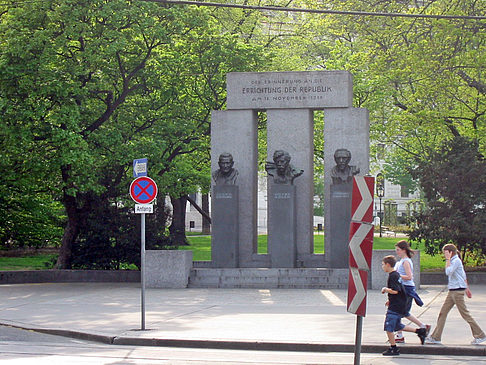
271 319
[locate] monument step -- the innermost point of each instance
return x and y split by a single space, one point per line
267 278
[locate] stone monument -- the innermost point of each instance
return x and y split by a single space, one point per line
224 242
282 246
340 207
289 100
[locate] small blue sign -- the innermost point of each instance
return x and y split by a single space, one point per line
140 167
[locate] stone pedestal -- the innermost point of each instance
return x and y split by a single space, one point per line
340 219
224 241
343 128
235 132
282 245
379 277
299 143
167 268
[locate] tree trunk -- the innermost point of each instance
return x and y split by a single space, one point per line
177 228
70 233
205 207
199 209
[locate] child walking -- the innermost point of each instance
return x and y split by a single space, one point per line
397 301
405 268
457 284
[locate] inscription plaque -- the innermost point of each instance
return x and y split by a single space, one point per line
286 90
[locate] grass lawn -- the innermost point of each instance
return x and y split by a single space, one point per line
427 262
37 262
201 247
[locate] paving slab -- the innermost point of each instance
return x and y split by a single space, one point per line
293 319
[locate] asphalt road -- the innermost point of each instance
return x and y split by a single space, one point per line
27 347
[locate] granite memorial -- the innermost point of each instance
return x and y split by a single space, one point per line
281 241
340 206
224 242
289 100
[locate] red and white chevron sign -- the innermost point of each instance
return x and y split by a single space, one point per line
360 245
362 201
358 281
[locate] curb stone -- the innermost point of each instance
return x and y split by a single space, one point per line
257 345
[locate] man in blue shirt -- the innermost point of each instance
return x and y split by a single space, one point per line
457 284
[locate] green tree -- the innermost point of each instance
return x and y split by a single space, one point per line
454 184
88 86
421 79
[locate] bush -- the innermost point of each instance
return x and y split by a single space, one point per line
110 238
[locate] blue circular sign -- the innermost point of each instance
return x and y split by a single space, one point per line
143 190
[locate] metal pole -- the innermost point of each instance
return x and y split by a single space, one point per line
142 267
381 217
357 350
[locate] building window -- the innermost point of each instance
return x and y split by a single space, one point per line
380 151
404 191
193 197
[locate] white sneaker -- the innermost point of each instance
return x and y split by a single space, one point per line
432 341
477 341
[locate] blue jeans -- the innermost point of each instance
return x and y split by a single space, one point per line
393 322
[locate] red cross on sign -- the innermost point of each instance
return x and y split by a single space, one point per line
143 190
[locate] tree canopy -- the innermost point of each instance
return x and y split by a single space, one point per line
86 87
454 184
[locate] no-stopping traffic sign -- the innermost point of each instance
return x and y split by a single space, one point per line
143 190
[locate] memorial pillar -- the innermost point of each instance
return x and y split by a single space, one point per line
235 132
225 232
292 130
344 128
282 225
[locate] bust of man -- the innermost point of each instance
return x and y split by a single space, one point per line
281 170
226 174
343 173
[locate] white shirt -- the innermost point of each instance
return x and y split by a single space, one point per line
456 274
401 270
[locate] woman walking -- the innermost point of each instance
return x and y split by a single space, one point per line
457 284
405 269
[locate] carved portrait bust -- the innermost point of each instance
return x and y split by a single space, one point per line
343 173
281 170
226 174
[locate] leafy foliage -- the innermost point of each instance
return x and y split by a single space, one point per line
110 237
85 88
421 79
453 179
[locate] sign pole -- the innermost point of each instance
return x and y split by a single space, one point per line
360 252
357 348
143 191
142 267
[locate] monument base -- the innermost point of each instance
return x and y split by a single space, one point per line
225 233
269 278
340 220
282 246
167 268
